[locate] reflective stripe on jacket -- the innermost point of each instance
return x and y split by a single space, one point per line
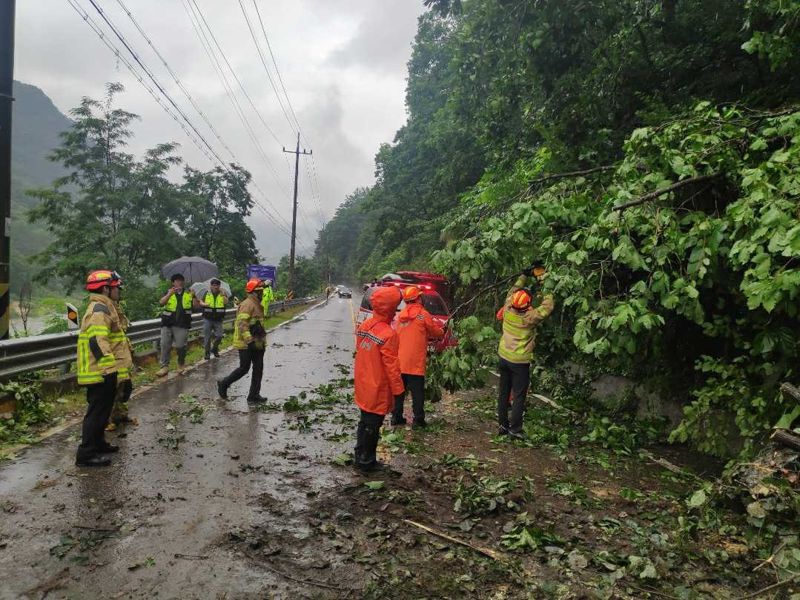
215 311
415 327
95 351
519 326
249 326
377 367
121 346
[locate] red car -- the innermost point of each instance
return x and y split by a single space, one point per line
432 302
424 281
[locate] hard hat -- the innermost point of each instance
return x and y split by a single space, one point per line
521 300
97 280
254 285
411 293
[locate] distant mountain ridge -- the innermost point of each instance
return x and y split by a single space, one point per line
36 125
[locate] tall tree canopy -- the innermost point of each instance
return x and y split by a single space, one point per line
114 210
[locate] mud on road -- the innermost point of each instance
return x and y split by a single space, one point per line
214 499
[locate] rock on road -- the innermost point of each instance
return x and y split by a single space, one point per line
196 471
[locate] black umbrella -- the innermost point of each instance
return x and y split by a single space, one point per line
193 268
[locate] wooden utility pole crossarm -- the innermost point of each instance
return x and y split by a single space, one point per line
297 154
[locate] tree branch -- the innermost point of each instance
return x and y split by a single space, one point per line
557 176
670 188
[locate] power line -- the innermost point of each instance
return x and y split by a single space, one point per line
176 79
101 35
132 68
312 174
275 64
200 30
266 69
233 72
155 81
209 50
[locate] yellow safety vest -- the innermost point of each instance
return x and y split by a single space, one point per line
215 311
171 307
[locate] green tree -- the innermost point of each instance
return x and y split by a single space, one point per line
215 206
110 210
307 276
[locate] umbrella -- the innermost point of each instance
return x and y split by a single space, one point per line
193 268
201 288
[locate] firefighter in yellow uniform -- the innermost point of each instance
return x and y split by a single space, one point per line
520 319
98 366
123 352
250 339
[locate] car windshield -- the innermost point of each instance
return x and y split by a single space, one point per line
434 305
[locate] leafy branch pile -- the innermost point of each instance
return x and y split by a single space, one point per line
30 409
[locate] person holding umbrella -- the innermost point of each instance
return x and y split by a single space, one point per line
250 339
176 320
213 305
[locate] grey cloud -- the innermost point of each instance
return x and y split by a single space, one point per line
383 37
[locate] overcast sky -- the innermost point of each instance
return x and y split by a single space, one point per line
343 63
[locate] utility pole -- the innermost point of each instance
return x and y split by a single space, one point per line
6 99
297 154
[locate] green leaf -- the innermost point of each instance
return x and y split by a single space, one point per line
374 485
697 499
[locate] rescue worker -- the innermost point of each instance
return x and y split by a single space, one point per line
267 297
213 305
415 328
378 383
520 319
176 320
123 352
249 338
98 366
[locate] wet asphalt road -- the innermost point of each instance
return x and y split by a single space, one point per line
157 523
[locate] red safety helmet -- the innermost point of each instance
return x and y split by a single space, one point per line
411 293
521 300
97 280
254 285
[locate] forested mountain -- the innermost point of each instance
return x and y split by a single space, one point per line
37 124
646 151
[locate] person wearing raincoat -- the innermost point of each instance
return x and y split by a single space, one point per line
415 328
378 383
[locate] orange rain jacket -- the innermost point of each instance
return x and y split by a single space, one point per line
377 368
415 327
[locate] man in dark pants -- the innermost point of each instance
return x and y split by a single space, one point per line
415 328
250 339
519 319
98 367
378 383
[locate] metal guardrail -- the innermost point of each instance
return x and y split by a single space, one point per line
52 350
